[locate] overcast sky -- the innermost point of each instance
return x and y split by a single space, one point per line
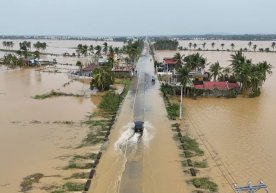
136 17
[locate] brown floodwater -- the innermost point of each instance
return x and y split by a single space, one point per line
32 135
239 134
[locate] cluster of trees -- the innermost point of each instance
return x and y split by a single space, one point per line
8 44
133 50
25 46
12 61
40 46
166 45
250 76
103 77
83 49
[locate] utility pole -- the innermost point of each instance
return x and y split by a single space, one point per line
250 188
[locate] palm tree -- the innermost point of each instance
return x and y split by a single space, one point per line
254 47
250 44
222 46
226 72
80 65
273 45
84 50
98 49
105 49
116 50
195 61
102 79
183 73
79 48
215 70
91 49
194 45
204 45
213 45
179 59
190 45
233 46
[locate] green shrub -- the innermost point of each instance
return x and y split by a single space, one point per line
205 183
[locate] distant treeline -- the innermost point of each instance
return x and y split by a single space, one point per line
166 45
246 37
114 38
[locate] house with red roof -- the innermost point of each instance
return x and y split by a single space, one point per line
169 64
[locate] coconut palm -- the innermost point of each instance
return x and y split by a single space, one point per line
232 46
215 70
254 47
273 45
84 50
194 45
213 45
222 45
204 45
116 50
105 48
250 44
80 65
195 61
98 49
179 59
190 45
102 79
183 73
91 49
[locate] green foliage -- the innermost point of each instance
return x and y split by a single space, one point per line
201 164
205 183
173 111
54 94
12 61
191 144
195 61
133 49
102 79
166 45
74 165
110 102
82 175
70 186
28 181
251 76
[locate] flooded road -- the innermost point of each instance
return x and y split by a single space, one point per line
134 164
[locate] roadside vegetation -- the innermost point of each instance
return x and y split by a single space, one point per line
193 162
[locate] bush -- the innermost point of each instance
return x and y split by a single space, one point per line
205 183
191 144
110 102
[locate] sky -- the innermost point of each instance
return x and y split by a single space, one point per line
136 17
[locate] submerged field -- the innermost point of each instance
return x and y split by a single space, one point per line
236 134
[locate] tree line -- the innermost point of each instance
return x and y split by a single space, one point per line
166 45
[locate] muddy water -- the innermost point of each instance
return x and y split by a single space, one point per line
238 135
150 163
32 137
